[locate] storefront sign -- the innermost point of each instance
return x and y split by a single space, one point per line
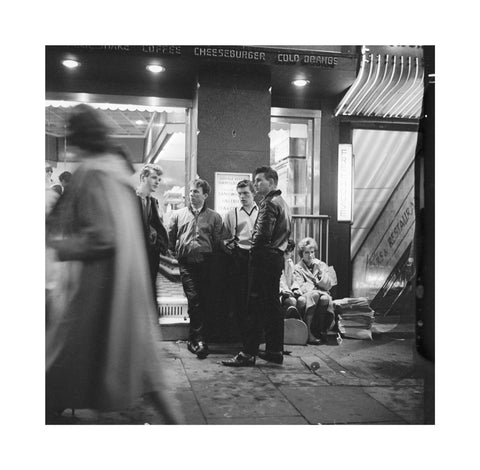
399 229
232 54
307 59
229 53
345 183
226 196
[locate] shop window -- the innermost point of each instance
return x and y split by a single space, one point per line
291 154
150 134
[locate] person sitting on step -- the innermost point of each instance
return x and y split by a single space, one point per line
314 279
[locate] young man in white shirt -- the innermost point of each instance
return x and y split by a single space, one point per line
239 224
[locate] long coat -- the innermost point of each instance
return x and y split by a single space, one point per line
317 280
100 342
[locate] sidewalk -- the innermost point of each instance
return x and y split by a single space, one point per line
358 382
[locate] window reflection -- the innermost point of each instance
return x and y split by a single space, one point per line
291 156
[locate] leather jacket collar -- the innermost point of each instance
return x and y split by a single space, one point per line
273 193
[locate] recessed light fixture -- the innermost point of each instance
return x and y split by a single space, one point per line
155 68
301 82
70 64
139 122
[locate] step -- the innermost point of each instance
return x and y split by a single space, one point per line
172 329
173 318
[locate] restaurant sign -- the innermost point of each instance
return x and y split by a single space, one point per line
232 54
345 183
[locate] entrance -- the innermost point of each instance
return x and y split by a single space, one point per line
295 155
151 130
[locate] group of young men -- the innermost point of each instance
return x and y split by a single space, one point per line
255 236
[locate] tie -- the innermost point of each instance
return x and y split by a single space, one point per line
147 207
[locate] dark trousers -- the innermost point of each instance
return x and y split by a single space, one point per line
153 256
265 312
196 284
239 278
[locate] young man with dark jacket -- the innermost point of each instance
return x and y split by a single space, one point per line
156 239
269 241
195 232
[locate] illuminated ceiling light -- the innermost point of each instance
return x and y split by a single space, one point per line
139 122
70 64
155 68
301 82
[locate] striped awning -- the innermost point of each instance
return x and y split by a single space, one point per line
387 86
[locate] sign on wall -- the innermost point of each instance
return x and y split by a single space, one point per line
226 196
248 54
345 183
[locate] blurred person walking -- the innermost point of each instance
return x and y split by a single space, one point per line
48 176
51 196
101 350
64 180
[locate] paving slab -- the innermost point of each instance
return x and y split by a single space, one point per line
291 364
349 381
409 382
174 375
169 348
407 402
297 379
241 400
186 401
211 369
338 405
386 358
141 413
336 376
269 420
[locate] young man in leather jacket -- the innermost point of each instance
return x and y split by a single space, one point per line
269 241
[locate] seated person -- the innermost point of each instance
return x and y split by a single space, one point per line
287 298
312 281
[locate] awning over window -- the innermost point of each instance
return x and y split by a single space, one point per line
387 86
111 106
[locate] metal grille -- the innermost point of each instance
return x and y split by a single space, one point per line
172 307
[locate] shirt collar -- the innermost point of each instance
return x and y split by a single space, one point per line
140 194
254 207
196 211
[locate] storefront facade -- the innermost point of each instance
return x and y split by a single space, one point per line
240 110
344 144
